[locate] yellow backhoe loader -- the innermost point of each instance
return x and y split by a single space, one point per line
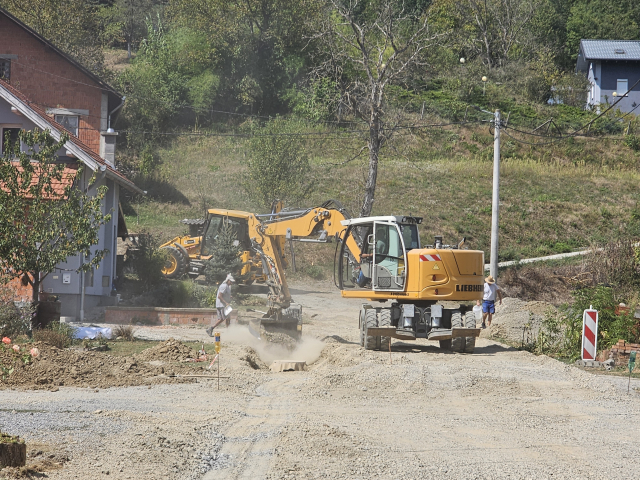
379 259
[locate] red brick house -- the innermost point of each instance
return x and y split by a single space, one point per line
42 87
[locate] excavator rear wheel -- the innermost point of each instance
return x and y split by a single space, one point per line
362 325
384 320
371 342
175 265
457 344
469 322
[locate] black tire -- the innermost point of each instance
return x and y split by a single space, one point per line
176 264
457 344
361 324
371 342
469 322
445 344
384 320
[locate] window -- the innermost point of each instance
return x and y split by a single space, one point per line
623 86
9 138
5 69
70 122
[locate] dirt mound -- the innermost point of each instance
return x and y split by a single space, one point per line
250 356
54 367
287 341
169 351
517 321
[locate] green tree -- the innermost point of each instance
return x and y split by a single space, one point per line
41 226
279 168
597 19
368 46
225 256
72 25
258 48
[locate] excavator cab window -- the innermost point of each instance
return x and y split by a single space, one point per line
389 258
410 236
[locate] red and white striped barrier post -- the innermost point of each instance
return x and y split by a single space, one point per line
589 334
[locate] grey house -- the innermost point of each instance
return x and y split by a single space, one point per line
611 66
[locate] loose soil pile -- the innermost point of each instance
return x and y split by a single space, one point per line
517 321
55 367
169 351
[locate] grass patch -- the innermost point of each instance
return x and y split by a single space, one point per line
123 348
554 198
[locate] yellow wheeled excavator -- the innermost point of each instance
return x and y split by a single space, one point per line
378 259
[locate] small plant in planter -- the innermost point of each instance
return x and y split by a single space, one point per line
13 451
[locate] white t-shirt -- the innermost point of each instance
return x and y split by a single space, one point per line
490 291
225 291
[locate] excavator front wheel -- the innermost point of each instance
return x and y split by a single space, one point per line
175 264
457 344
371 342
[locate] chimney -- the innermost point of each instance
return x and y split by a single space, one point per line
108 146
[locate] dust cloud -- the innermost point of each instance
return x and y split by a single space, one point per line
308 349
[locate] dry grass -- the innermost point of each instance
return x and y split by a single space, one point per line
124 332
553 198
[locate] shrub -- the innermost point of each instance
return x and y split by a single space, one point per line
57 334
633 142
15 318
147 260
125 332
315 272
562 332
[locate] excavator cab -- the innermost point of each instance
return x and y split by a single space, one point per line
384 243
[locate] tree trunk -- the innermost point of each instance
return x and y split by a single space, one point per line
374 143
36 288
13 454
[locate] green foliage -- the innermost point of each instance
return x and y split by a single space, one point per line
58 334
600 19
565 327
315 272
257 48
147 260
317 101
278 166
225 256
633 142
72 25
199 296
15 319
41 227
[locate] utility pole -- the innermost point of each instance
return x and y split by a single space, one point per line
495 206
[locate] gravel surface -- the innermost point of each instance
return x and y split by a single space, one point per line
417 413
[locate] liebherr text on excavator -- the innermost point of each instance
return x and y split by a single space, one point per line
378 259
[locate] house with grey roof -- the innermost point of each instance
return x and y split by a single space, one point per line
611 66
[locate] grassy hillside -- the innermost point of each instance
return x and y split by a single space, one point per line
554 198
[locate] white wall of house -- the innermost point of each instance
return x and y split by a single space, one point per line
65 282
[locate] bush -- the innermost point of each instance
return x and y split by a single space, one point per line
15 319
125 332
315 272
633 142
147 260
57 334
562 332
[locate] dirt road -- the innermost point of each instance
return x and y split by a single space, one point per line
418 413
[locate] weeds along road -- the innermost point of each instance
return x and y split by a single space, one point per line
498 413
